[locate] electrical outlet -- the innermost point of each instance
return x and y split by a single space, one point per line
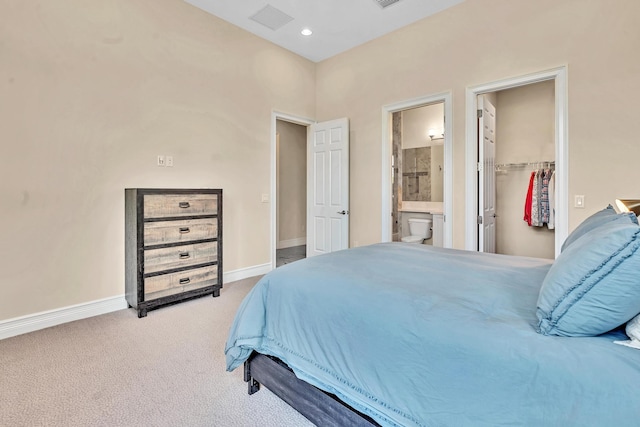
161 160
169 161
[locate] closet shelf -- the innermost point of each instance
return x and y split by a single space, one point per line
537 165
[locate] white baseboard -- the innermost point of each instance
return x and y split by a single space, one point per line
46 319
282 244
244 273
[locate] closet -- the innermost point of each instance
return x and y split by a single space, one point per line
525 145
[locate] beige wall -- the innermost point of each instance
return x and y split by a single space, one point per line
292 183
416 123
597 40
91 92
524 133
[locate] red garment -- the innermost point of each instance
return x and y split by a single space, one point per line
528 200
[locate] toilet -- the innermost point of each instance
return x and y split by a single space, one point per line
420 229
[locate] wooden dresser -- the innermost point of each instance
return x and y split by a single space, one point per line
173 245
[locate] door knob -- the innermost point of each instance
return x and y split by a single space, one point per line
343 212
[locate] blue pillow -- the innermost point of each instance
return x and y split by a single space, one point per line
604 216
594 285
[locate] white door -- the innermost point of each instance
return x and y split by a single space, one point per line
486 176
328 187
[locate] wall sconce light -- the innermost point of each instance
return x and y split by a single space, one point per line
629 205
433 134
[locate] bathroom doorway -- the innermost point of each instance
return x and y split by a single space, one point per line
418 159
417 162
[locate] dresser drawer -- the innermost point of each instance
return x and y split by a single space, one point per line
176 205
179 256
179 231
175 283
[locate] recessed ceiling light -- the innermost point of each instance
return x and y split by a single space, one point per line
306 32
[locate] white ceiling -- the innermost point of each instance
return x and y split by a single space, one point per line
337 25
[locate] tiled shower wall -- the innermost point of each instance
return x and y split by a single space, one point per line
416 174
397 167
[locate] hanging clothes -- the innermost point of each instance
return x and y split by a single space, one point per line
529 200
551 224
544 196
539 207
535 200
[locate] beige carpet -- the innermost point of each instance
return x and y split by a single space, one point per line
117 370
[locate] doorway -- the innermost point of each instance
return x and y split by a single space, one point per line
524 154
388 163
558 76
291 187
289 136
417 174
327 157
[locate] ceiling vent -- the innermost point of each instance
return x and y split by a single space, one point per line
271 17
385 3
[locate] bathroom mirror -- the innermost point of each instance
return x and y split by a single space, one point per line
420 156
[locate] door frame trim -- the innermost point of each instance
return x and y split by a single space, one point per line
561 114
386 208
299 120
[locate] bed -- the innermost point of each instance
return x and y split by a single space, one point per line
398 334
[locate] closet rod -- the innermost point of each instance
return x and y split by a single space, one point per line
522 165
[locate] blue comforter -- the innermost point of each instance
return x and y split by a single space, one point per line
419 336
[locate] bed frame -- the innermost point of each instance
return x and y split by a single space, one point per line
318 406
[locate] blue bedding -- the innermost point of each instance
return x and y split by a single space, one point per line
413 335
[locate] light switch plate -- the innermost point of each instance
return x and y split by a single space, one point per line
579 202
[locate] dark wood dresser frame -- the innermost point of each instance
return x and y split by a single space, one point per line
319 407
134 250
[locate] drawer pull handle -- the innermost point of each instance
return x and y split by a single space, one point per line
184 281
184 230
184 205
184 255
